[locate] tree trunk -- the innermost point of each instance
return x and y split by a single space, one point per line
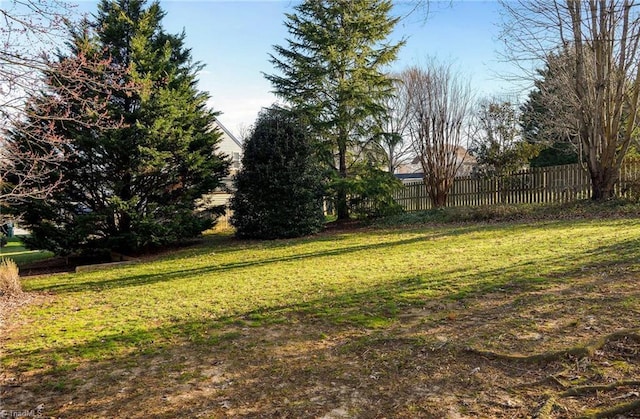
603 181
124 225
439 200
437 193
342 206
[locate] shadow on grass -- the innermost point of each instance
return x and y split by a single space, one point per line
349 351
382 301
141 279
300 360
225 244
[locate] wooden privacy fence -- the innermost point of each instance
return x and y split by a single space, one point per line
537 185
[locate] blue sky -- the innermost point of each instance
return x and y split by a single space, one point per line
233 38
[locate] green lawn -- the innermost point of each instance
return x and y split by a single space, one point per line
360 323
16 251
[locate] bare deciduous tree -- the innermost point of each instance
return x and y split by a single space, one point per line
602 78
497 143
394 137
32 32
83 90
440 104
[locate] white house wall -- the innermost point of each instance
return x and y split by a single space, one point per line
230 146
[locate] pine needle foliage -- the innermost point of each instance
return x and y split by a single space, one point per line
333 70
133 187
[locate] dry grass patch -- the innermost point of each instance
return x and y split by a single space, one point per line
9 279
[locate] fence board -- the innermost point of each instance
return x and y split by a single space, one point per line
537 185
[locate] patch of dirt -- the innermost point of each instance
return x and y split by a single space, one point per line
9 306
563 351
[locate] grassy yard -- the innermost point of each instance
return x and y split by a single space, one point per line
492 320
16 251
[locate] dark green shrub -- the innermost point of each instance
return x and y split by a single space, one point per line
279 189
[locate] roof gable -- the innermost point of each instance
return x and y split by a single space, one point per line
228 134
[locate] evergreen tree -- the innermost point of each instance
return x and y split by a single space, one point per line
279 190
545 118
133 187
332 72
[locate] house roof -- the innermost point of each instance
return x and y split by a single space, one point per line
407 176
461 153
228 133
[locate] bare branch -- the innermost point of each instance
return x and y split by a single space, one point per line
600 78
440 106
39 90
394 137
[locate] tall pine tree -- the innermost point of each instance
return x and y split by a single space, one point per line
332 71
133 187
